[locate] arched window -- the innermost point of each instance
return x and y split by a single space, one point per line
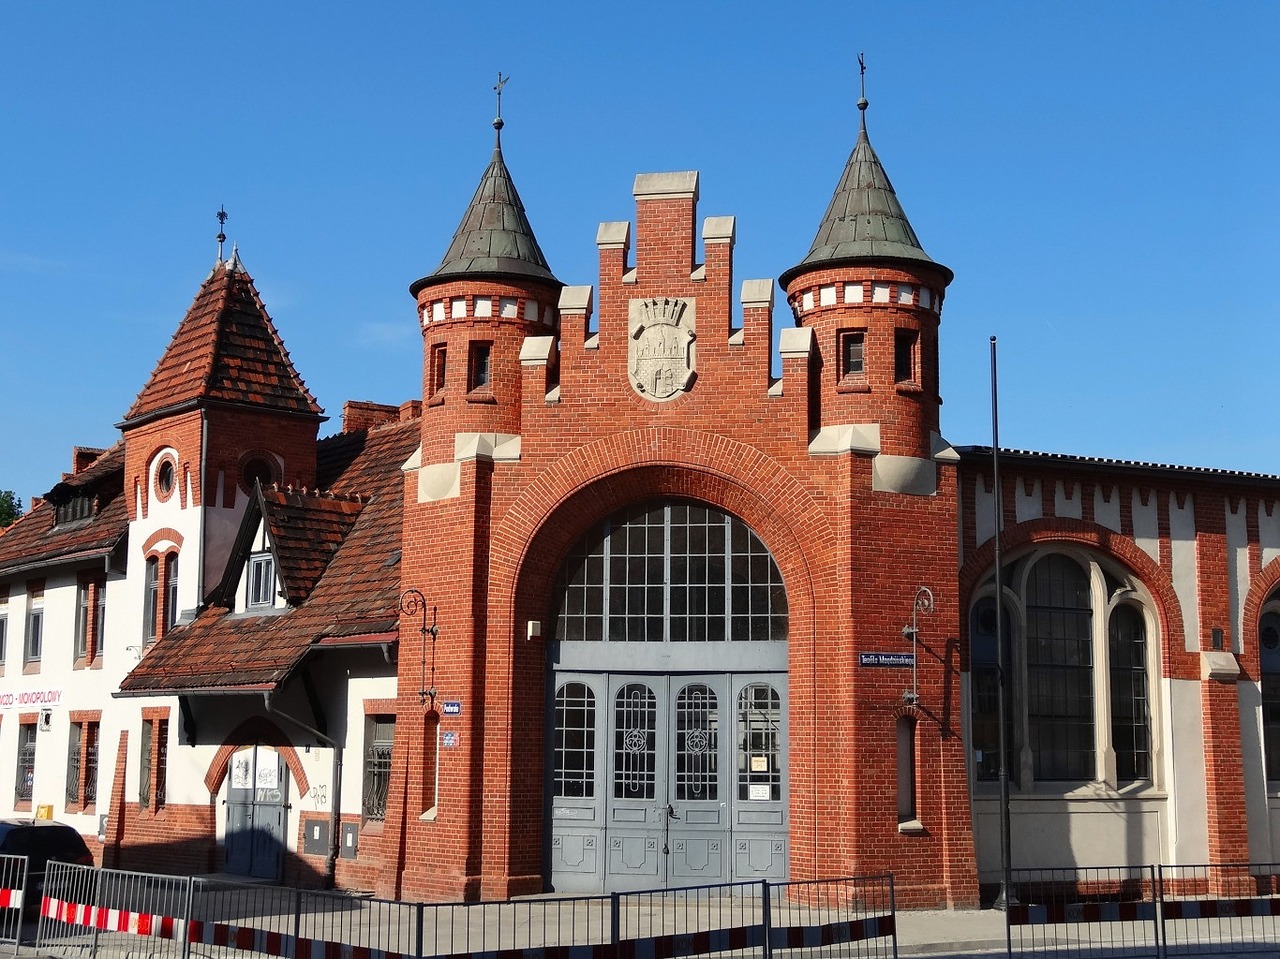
697 743
1269 649
1059 648
575 741
760 746
1080 666
1130 712
673 572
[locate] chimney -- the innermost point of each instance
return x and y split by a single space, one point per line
360 415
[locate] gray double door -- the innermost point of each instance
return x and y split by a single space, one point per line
663 780
257 812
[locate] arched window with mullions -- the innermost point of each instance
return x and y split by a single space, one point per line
671 572
1081 663
1269 661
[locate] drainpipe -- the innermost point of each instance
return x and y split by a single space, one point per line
335 810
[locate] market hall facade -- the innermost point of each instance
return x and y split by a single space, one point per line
613 606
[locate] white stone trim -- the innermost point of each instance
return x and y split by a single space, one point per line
649 185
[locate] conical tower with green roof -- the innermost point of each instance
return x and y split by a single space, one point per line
492 290
873 299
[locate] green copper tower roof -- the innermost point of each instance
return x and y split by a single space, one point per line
494 238
864 222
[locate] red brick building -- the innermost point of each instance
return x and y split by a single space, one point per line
615 607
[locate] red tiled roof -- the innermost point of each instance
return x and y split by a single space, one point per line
306 530
34 541
355 593
226 348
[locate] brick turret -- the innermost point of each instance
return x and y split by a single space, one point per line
873 298
492 290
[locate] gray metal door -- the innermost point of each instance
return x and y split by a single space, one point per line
257 811
667 780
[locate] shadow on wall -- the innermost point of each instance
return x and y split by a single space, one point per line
205 856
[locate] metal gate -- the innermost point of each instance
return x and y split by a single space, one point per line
257 812
667 780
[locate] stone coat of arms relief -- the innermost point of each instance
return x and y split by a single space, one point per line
660 351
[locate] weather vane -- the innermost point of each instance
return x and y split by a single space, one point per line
222 223
497 88
862 84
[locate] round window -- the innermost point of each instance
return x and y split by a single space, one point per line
166 476
257 470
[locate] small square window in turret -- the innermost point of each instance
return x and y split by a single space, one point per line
904 356
479 373
852 357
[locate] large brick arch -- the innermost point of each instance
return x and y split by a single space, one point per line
627 468
1263 585
1102 540
256 730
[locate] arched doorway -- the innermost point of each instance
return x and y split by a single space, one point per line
257 812
667 751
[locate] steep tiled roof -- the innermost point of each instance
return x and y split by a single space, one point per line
356 592
36 541
864 221
306 530
494 237
225 349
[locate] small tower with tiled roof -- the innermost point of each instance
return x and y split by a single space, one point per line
873 299
223 408
492 290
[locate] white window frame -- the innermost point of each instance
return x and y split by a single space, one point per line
260 581
1131 593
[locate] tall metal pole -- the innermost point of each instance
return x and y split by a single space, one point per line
1004 670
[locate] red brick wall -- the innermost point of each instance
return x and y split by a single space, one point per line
851 558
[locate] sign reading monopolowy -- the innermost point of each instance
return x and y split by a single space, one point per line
30 698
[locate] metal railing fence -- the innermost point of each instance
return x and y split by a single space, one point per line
13 886
88 912
834 917
1084 911
1209 909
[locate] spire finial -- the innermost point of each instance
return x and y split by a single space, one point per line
497 88
222 223
862 90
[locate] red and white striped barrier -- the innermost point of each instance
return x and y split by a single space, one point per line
1051 914
1220 908
10 898
222 934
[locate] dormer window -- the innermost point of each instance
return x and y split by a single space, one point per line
78 507
262 580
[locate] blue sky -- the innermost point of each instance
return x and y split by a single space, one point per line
1100 176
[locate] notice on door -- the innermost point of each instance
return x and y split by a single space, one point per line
758 791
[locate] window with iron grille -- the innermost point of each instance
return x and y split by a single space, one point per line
635 743
161 762
26 762
1077 634
144 767
697 744
73 766
377 766
674 571
89 768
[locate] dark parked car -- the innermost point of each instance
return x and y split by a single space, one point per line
41 841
